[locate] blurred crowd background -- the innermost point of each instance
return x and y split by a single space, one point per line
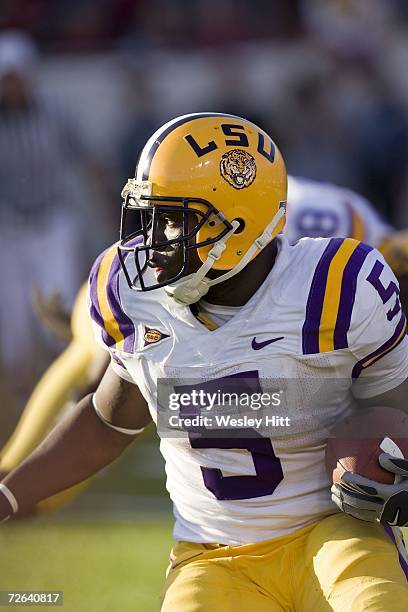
83 83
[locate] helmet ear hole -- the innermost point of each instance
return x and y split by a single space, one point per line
241 226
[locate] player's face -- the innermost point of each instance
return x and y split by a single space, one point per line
168 261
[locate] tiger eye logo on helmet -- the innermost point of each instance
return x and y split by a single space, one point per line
238 168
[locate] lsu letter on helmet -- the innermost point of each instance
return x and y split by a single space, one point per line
228 174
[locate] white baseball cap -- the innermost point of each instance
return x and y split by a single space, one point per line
18 52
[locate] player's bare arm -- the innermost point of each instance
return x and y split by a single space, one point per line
121 402
80 445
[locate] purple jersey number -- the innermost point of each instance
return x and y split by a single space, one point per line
385 293
268 467
316 223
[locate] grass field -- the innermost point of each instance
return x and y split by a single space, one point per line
101 566
107 550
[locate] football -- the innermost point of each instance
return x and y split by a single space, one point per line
355 444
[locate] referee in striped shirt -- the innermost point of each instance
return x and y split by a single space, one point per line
42 239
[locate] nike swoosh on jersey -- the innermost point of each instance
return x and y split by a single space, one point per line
259 345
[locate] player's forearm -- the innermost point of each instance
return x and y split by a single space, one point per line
77 448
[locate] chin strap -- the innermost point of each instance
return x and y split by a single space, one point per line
193 287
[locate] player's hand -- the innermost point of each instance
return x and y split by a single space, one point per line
369 500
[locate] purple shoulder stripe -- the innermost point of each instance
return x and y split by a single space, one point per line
125 323
314 307
94 305
116 322
348 294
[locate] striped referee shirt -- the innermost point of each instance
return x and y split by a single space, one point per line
40 149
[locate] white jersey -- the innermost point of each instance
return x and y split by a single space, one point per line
326 313
324 210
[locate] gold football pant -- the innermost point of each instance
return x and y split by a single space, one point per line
339 563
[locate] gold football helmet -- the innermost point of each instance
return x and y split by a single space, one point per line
225 173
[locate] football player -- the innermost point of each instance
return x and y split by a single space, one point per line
315 209
323 210
209 296
318 209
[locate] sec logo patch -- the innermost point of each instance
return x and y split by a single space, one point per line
152 336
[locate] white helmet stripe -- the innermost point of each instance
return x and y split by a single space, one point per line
151 146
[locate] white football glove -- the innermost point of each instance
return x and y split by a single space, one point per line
369 500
